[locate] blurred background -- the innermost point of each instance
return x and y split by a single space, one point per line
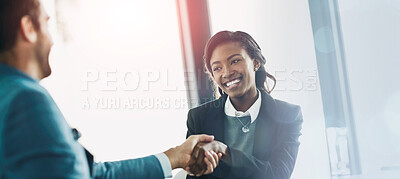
126 72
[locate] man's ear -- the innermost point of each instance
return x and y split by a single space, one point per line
28 30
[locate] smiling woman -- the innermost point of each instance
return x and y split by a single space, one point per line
231 69
246 48
256 134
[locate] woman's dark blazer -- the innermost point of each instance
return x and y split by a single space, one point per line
275 143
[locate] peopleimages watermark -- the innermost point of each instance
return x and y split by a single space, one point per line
108 89
132 80
166 80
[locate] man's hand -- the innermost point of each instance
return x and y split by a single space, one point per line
180 155
203 160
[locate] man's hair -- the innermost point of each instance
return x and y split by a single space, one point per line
11 12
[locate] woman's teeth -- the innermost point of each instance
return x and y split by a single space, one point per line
232 82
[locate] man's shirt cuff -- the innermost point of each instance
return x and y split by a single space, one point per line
165 164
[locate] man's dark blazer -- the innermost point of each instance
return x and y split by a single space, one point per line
275 145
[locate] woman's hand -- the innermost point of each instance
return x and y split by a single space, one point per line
205 157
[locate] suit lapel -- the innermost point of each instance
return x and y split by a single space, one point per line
265 128
214 121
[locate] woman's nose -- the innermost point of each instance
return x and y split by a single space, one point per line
228 72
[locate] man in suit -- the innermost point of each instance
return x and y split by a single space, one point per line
35 140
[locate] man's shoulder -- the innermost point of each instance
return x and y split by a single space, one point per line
14 85
16 91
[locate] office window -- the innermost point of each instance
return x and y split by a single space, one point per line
371 39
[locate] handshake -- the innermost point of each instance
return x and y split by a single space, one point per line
198 155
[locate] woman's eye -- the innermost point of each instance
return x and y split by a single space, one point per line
235 61
216 68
